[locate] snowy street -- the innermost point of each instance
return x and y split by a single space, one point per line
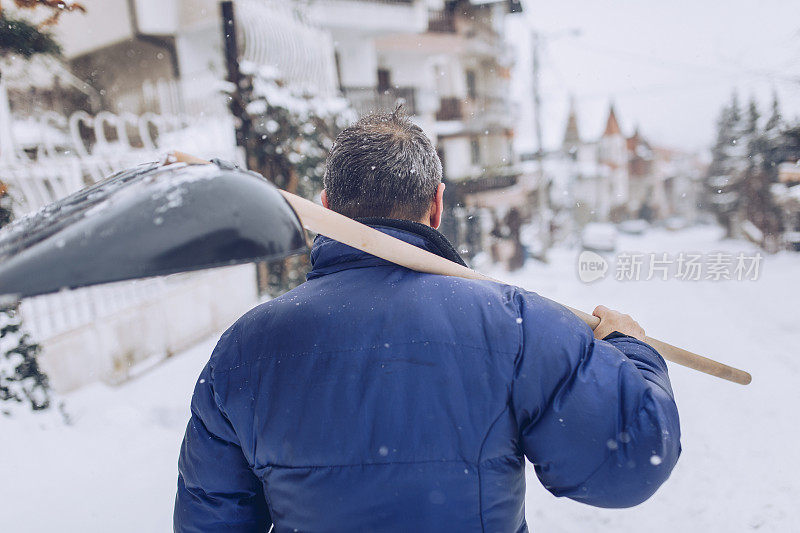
115 468
739 466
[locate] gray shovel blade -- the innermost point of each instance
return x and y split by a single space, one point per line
148 221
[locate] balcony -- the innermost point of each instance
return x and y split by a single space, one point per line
367 99
442 21
488 106
482 112
369 16
495 180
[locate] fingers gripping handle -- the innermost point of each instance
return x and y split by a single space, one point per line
681 356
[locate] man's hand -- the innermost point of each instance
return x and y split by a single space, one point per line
611 321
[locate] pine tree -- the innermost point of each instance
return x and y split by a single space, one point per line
744 167
757 204
750 131
22 383
774 121
725 170
780 143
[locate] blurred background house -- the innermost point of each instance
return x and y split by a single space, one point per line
449 64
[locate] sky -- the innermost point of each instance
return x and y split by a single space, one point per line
668 66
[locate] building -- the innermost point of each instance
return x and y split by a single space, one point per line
138 78
447 61
786 195
449 64
616 177
613 158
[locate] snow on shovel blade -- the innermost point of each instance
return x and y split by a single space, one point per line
148 221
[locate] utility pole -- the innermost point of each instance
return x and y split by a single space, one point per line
242 123
543 204
543 189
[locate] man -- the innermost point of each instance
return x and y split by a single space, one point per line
376 398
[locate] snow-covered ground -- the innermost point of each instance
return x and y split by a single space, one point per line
114 469
740 467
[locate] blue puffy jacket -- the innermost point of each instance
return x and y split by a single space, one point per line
376 398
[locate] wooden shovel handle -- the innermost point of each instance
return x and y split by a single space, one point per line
681 356
346 230
182 157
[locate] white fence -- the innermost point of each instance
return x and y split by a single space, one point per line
276 36
108 332
101 333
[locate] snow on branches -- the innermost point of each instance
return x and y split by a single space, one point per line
289 130
23 385
744 164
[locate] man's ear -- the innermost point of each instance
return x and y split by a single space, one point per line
324 199
437 206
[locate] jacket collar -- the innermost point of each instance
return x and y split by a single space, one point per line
328 256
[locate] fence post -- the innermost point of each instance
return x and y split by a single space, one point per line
7 149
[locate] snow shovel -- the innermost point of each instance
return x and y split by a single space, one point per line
150 220
35 237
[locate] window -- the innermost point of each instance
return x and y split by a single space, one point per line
475 151
472 87
384 80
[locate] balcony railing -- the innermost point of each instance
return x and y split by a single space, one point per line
483 106
443 21
450 108
368 99
499 178
480 108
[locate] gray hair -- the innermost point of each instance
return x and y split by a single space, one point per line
382 166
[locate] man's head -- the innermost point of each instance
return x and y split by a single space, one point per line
384 166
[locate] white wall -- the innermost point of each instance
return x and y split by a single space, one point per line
495 150
184 309
358 61
105 22
409 69
451 80
200 51
369 17
457 155
157 17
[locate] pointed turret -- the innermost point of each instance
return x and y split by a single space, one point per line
612 126
635 139
572 137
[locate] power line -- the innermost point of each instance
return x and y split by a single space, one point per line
682 65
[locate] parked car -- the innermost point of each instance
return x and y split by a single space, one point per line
676 223
599 237
792 240
633 227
